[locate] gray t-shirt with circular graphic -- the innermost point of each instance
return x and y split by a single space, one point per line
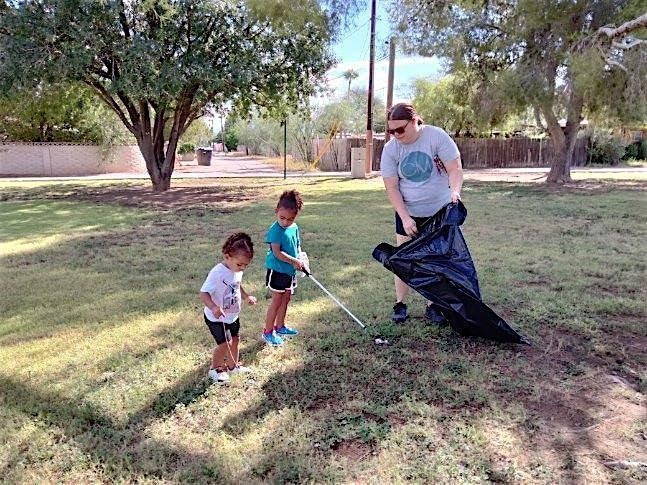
423 179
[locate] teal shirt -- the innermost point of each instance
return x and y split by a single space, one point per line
290 242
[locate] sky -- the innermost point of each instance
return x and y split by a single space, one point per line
353 50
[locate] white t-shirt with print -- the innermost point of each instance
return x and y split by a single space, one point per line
423 179
223 285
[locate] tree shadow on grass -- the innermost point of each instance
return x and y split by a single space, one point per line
83 276
360 397
222 198
124 451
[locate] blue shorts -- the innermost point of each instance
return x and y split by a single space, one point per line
280 282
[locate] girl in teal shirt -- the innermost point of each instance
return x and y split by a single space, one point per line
282 264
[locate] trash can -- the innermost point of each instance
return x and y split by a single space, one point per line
357 168
204 155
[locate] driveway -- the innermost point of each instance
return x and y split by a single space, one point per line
236 165
223 165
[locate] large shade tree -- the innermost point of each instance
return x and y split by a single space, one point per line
560 57
58 113
160 64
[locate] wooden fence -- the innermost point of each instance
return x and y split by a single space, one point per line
475 152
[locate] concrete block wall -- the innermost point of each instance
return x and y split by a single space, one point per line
59 159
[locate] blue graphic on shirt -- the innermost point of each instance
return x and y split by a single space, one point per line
417 167
230 300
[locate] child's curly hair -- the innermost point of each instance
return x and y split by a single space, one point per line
239 243
291 200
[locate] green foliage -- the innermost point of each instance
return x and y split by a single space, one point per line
349 115
59 113
614 96
333 15
231 140
605 148
301 133
332 117
542 54
636 150
185 148
262 136
198 134
444 103
163 62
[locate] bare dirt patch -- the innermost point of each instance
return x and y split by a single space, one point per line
353 450
221 197
174 198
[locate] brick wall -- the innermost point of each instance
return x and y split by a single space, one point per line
59 159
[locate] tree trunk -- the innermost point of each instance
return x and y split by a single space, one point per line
560 170
159 164
563 139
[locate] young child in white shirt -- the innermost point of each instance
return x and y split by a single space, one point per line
222 294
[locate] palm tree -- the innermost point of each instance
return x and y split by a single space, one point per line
350 75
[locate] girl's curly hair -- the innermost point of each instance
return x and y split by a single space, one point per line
291 200
239 243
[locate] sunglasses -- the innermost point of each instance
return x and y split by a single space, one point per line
399 130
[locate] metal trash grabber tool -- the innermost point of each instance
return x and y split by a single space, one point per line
357 320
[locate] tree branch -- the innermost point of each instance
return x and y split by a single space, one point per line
613 32
609 33
112 104
124 20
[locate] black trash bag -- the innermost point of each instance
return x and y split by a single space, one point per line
438 265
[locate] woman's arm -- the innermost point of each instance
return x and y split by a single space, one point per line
392 186
455 174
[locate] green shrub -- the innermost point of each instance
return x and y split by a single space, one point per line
637 151
231 141
185 148
606 149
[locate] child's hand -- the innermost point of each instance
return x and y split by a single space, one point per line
251 300
217 312
298 265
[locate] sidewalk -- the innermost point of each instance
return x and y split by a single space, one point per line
228 166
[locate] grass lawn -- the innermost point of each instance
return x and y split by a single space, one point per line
104 354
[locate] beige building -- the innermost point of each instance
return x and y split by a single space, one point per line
61 159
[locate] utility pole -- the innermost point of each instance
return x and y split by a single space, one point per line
222 133
285 148
389 88
369 119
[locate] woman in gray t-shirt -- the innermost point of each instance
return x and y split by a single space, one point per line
422 172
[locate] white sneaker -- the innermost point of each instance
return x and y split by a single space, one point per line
218 377
239 369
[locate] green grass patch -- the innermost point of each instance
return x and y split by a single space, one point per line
103 352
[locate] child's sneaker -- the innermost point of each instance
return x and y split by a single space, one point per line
239 369
218 377
272 339
285 330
